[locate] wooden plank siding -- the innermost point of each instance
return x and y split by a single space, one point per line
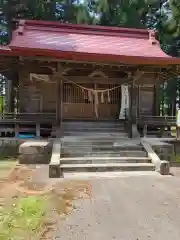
39 96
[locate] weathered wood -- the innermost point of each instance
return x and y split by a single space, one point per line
27 117
133 103
58 99
135 133
59 87
157 98
158 121
38 133
97 80
146 100
16 130
87 63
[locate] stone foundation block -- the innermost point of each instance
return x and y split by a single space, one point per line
164 168
35 152
34 159
55 171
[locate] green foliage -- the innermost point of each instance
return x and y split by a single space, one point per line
24 219
2 103
128 13
163 15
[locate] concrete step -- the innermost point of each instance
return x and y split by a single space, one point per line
95 127
98 147
95 134
109 175
95 140
104 167
93 123
82 152
94 131
133 153
104 159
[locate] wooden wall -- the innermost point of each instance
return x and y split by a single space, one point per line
39 96
146 94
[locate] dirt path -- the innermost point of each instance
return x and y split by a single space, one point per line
126 208
134 208
25 181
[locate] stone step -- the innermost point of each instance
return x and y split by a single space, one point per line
77 140
93 123
103 167
104 159
95 134
100 147
76 152
109 175
96 127
133 153
94 130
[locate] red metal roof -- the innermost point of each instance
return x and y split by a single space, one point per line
87 43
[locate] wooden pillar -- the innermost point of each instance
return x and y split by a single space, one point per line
61 101
14 91
157 99
133 103
38 132
58 100
59 97
16 130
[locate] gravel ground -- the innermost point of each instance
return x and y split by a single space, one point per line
130 208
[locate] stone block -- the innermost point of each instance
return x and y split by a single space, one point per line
164 168
34 147
35 152
34 159
55 171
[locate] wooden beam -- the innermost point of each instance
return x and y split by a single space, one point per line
58 93
102 80
102 64
134 95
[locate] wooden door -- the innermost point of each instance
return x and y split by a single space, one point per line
109 101
77 104
146 101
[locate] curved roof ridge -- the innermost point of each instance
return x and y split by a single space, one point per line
84 28
87 43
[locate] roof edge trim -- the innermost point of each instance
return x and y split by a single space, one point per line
144 33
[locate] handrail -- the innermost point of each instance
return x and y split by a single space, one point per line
165 119
28 115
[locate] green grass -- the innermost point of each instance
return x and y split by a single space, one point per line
21 217
24 219
177 158
2 103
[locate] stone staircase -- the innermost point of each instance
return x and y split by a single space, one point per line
101 147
